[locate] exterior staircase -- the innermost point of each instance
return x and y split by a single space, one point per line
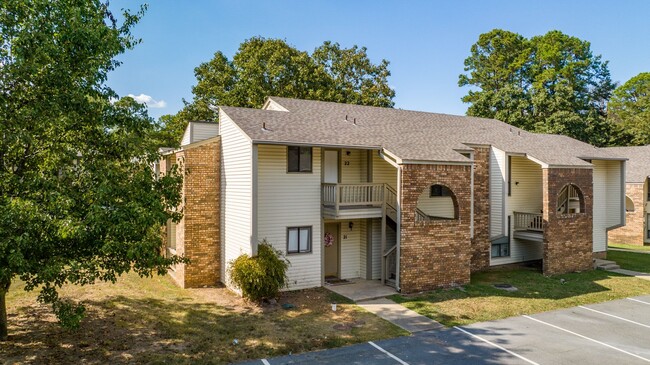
605 265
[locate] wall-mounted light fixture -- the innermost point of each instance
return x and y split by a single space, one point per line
350 225
347 153
517 183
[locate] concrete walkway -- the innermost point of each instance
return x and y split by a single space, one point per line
400 315
361 289
636 274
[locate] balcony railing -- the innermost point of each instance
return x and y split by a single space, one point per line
528 222
347 195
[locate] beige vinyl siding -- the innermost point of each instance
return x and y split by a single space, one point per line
607 200
351 242
290 200
236 190
436 206
497 192
526 197
351 166
391 240
614 211
363 254
272 105
186 136
196 132
383 172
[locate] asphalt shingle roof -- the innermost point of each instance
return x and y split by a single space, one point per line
410 135
637 168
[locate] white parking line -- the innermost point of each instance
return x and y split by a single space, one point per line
497 346
265 362
636 300
613 316
388 353
588 338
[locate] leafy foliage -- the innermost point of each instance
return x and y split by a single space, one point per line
260 277
80 201
629 108
551 84
271 67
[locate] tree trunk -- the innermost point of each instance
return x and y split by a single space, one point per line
3 312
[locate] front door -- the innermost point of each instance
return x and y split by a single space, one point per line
331 167
331 244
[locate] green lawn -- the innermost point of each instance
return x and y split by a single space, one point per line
151 320
630 260
481 301
629 247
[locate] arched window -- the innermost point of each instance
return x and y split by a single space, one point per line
436 202
570 200
629 204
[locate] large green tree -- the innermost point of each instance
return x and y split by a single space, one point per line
271 67
79 202
551 83
629 108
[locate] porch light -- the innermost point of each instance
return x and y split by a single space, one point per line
350 225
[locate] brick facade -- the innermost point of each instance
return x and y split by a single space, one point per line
436 253
633 232
568 240
481 239
198 233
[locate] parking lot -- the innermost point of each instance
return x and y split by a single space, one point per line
616 332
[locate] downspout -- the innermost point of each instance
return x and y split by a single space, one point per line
254 240
471 205
398 227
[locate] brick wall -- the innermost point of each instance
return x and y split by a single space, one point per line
481 240
437 253
633 232
198 233
568 242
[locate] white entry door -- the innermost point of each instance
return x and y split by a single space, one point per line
331 173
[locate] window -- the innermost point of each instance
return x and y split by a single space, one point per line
500 249
171 235
298 239
570 200
298 159
439 190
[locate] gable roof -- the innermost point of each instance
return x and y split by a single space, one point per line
637 168
411 136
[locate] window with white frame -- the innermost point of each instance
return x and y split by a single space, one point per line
298 239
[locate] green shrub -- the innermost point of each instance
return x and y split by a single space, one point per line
260 277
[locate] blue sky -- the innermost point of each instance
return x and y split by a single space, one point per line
425 41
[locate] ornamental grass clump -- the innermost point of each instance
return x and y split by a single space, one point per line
260 277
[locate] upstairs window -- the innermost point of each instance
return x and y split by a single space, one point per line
299 159
439 190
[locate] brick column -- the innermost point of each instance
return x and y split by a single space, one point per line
198 233
437 253
568 238
632 233
481 240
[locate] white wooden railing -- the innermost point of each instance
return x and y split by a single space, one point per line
340 195
528 221
420 216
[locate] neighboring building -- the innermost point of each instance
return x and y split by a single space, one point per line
636 230
417 200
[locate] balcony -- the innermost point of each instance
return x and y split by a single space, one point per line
350 201
528 226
